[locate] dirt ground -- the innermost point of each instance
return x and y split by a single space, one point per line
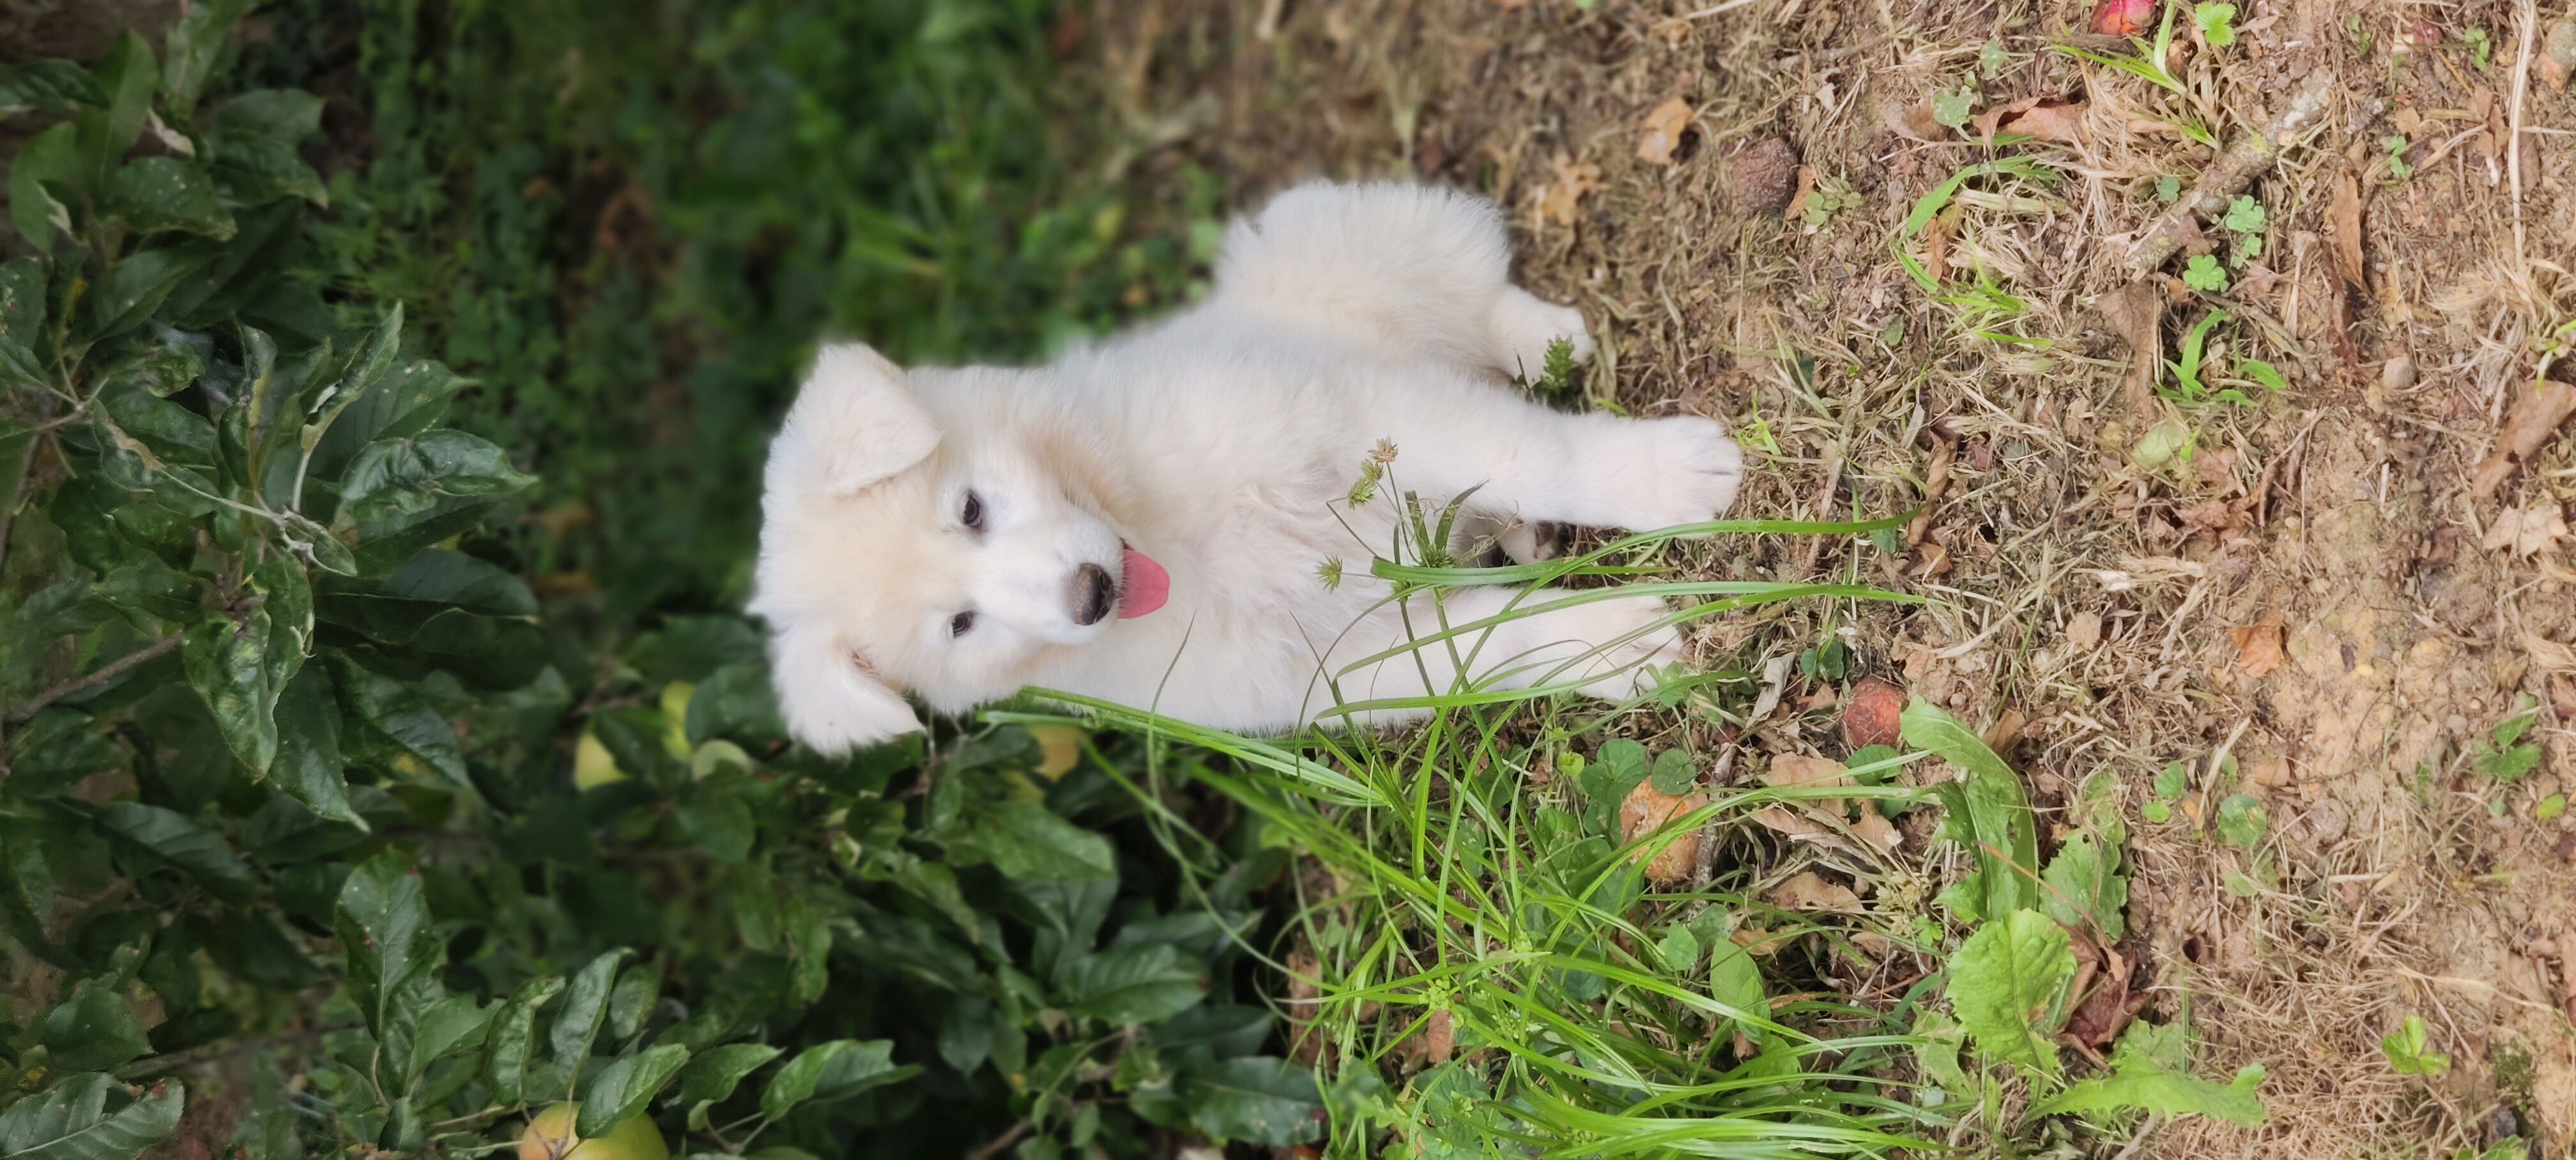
2319 594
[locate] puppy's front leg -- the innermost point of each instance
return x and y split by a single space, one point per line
1535 464
1501 638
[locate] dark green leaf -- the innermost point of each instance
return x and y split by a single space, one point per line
193 45
174 433
512 1034
715 1072
54 750
228 665
405 402
1673 773
254 142
451 1024
1122 985
307 767
401 717
44 172
248 946
134 288
94 1030
170 835
384 924
2084 887
1258 1101
585 1009
48 86
394 608
716 820
830 1071
71 1121
623 1088
127 74
165 193
1026 840
735 701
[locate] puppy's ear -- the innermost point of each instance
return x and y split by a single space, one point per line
832 699
855 423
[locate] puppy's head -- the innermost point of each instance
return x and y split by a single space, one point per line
896 556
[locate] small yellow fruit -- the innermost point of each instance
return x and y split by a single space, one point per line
549 1137
592 765
675 717
1062 745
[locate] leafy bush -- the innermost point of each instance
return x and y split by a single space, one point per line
291 745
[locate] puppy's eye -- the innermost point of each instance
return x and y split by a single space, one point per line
958 624
973 516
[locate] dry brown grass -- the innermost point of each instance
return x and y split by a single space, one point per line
2402 881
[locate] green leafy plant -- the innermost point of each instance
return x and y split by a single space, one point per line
1831 196
2171 783
1556 374
2168 189
2396 145
2245 220
2481 46
2204 273
2503 755
2217 23
2409 1051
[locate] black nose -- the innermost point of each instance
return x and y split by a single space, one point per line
1093 594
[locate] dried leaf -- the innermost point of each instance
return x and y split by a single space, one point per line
2136 313
1663 131
1573 181
1806 184
2527 429
1918 121
1647 809
2259 645
1793 769
1808 890
1877 831
2525 530
2562 701
2046 120
1439 1037
2343 227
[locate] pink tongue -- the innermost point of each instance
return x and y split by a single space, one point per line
1148 585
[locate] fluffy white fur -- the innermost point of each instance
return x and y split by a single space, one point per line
1222 443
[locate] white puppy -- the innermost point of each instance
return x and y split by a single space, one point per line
1143 520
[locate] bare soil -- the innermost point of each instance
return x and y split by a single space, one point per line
2318 593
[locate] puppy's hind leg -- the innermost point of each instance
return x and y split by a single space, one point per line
1421 268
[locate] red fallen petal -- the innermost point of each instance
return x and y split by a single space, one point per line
2124 17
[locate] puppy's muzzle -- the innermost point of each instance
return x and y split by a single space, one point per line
1094 594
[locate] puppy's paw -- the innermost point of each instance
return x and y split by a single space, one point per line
1524 327
1633 646
1678 471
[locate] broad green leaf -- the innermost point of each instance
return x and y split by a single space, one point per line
308 766
165 193
1027 840
399 716
2409 1049
1734 980
254 137
134 288
50 86
2008 985
451 1024
202 855
94 1030
712 1075
1258 1101
71 1121
623 1088
2084 887
835 1070
2242 821
194 44
513 1031
404 402
2140 1083
54 750
128 74
1137 984
631 1000
585 1009
384 925
394 480
247 945
396 607
45 170
1997 825
1673 774
174 433
228 664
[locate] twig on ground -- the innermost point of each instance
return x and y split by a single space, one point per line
2513 128
2229 175
106 673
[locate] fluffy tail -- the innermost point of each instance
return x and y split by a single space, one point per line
1420 266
